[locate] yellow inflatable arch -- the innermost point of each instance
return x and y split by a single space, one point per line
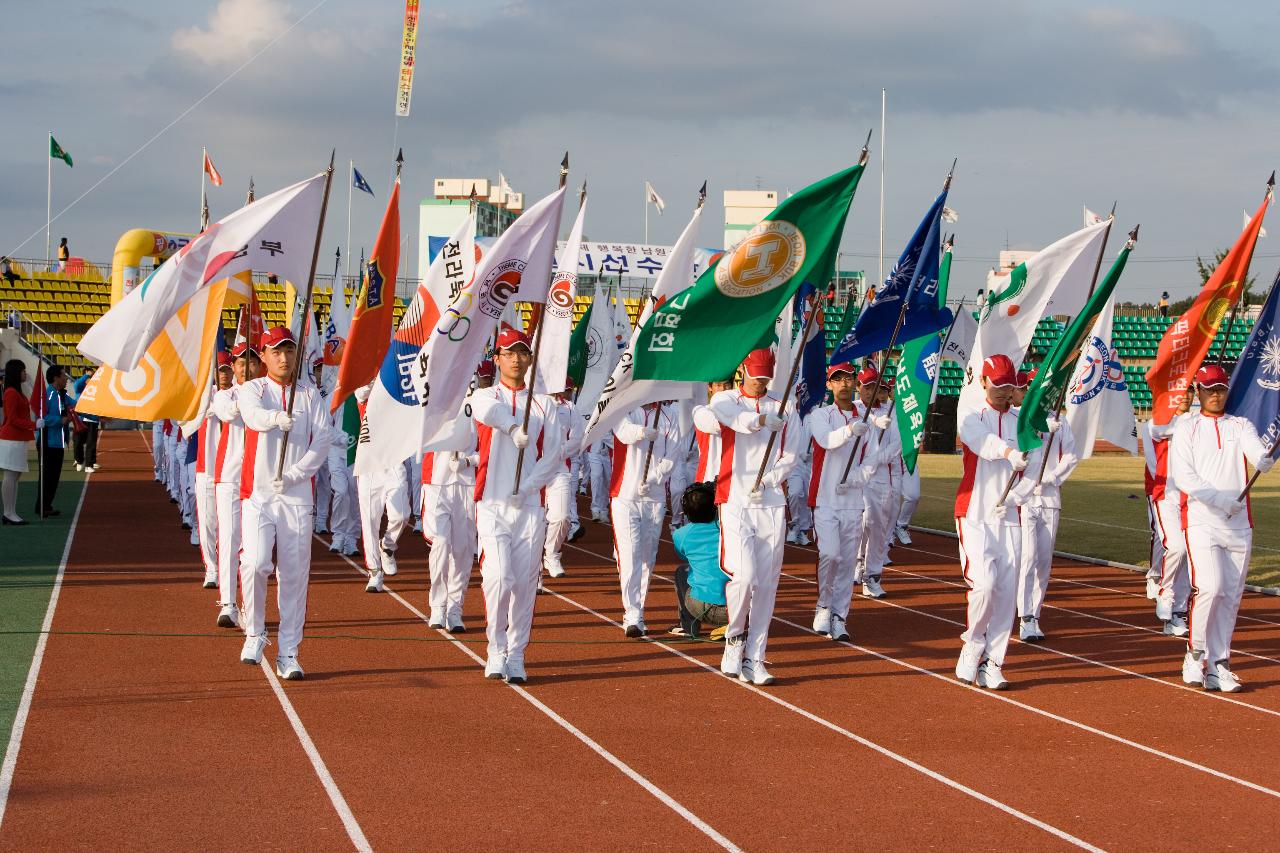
135 245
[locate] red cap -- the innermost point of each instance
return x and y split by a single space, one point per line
569 383
842 367
759 364
1211 375
867 375
277 336
890 381
999 371
241 348
486 368
224 360
510 337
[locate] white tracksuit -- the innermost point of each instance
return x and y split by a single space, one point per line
637 500
799 513
707 438
227 465
561 496
285 520
1040 516
1209 459
1169 546
203 488
910 495
679 479
752 529
511 527
382 492
599 475
989 548
344 514
880 510
837 512
157 449
449 526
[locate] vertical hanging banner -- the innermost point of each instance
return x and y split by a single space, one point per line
404 90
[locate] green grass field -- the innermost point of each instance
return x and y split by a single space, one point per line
1104 511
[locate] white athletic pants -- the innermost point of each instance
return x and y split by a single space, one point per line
1175 577
324 497
227 498
1039 532
1157 542
157 451
989 556
382 491
1219 560
207 522
344 517
878 517
598 470
187 498
510 562
910 496
560 516
636 528
751 541
413 475
838 535
266 523
675 487
449 526
798 503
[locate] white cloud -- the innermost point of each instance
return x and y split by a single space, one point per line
238 28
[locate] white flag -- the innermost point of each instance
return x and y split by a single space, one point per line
653 198
504 188
394 411
557 318
275 234
1091 218
1056 280
784 350
964 331
622 393
1262 232
602 351
1098 404
517 266
621 322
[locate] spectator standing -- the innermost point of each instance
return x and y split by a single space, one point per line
6 271
52 446
1164 305
64 255
18 429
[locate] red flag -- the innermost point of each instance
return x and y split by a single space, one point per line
1186 343
215 177
38 392
250 325
370 335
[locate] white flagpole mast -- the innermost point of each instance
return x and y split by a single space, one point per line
48 208
351 167
204 157
883 103
646 213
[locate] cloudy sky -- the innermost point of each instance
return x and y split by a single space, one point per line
1165 106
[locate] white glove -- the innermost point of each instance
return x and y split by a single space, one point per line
771 479
843 488
294 476
1265 464
1000 512
857 429
277 487
1038 491
773 423
754 496
457 463
866 473
648 433
1018 460
519 437
282 421
880 421
1054 425
235 411
1226 503
1022 492
643 489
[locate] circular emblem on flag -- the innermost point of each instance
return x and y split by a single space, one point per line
1269 361
768 257
502 283
1102 371
595 347
137 387
560 297
1217 308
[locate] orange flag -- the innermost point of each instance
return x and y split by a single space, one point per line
1186 343
370 335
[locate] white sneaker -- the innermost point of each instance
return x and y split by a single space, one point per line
837 631
335 544
1029 631
731 660
1192 670
967 665
288 669
1164 607
228 616
859 573
904 535
600 517
871 587
990 676
349 548
436 619
802 538
1176 626
375 583
79 467
634 630
95 466
753 672
1220 677
389 567
321 526
552 564
791 534
211 580
822 620
1153 588
251 651
455 624
515 671
495 667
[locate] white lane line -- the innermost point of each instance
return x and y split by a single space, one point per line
659 794
28 690
827 724
997 695
354 832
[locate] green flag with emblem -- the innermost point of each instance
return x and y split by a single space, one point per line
915 375
57 152
578 348
702 333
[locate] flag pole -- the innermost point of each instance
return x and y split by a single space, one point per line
533 370
48 207
302 315
204 157
883 107
646 213
351 165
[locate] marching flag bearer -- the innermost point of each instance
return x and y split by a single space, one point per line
562 517
227 466
837 507
637 501
277 513
511 521
990 538
882 449
1208 456
449 526
208 448
753 522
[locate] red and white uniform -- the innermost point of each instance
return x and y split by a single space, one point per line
512 527
707 437
636 499
882 449
344 512
228 460
1209 459
449 524
561 501
989 547
1040 515
282 521
1169 543
752 527
207 440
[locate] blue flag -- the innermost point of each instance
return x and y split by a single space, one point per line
810 387
913 279
358 181
1255 384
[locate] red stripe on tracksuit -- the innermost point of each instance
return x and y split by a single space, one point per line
223 431
619 467
815 480
428 463
723 481
484 435
704 447
250 455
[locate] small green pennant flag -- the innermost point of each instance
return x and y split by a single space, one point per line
56 151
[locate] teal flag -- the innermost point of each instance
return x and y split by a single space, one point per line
702 333
577 368
917 370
